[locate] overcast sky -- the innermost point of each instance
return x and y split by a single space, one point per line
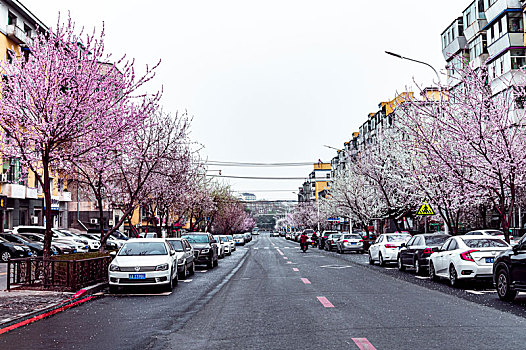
274 80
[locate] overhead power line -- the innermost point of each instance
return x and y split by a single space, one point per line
257 177
247 164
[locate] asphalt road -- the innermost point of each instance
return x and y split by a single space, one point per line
273 296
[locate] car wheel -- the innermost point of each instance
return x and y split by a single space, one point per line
418 268
210 264
5 256
371 261
216 262
381 261
401 266
170 285
184 273
503 286
192 269
432 274
453 277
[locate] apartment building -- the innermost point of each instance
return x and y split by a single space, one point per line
317 184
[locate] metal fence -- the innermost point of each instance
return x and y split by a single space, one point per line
50 274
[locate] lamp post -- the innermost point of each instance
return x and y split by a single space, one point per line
413 60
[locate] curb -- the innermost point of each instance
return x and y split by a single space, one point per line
80 297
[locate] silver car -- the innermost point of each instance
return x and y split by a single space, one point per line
350 243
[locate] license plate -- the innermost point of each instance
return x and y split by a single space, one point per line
490 260
353 243
137 276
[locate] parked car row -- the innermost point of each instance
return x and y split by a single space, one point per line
163 261
242 238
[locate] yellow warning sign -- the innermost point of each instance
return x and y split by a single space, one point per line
425 209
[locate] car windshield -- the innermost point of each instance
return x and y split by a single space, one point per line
65 233
238 236
336 236
485 243
436 240
176 245
223 239
398 238
196 238
31 230
143 248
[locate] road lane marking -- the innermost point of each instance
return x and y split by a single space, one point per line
280 252
306 281
363 344
325 302
265 247
289 262
256 248
285 258
335 266
202 271
187 281
422 277
295 269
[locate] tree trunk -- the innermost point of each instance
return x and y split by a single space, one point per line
48 214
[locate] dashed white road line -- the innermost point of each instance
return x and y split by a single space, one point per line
295 269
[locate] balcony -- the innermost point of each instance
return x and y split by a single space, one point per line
504 42
501 5
473 30
14 191
16 34
460 43
31 193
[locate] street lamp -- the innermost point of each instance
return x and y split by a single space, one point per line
413 60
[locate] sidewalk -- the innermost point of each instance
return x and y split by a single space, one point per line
18 304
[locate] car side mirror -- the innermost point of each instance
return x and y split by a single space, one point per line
403 245
172 252
436 249
515 248
113 254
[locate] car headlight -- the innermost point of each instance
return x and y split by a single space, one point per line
114 267
204 251
162 267
18 247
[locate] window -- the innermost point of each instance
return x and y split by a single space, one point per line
500 26
11 19
515 23
453 245
411 241
518 58
9 54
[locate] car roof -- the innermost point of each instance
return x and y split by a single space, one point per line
146 240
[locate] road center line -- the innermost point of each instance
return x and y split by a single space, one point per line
306 281
325 302
295 269
363 344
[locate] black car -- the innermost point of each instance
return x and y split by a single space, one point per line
9 250
37 249
323 238
416 252
60 247
109 244
509 271
205 248
330 242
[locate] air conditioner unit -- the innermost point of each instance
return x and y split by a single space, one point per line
94 221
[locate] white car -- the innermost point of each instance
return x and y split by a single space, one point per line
93 244
490 232
231 242
144 262
466 257
385 248
239 239
80 244
221 247
226 242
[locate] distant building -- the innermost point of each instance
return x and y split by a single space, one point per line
247 197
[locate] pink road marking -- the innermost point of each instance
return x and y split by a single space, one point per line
306 281
363 344
295 269
325 302
280 252
289 262
285 258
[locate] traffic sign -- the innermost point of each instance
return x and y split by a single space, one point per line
425 209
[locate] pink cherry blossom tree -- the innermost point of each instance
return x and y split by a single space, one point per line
55 102
475 139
